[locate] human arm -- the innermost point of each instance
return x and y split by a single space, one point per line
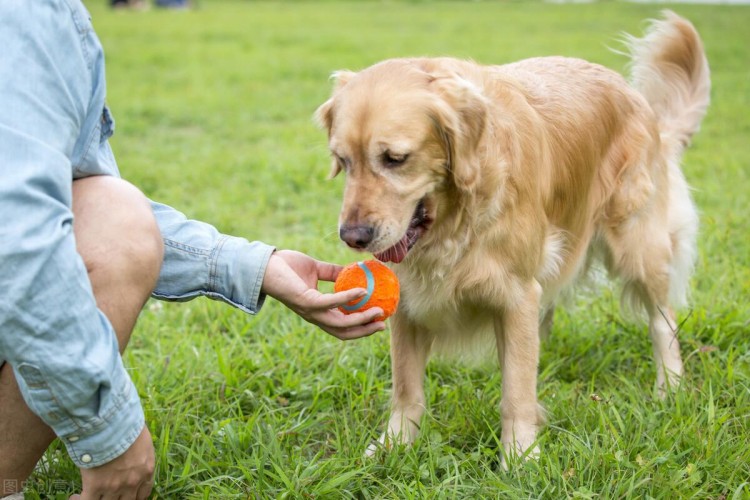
201 261
63 350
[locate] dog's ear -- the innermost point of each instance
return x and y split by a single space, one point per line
324 114
460 116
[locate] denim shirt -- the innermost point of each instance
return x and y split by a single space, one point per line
54 128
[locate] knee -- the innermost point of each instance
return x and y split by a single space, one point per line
141 248
116 232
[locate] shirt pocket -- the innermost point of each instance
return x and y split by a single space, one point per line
98 158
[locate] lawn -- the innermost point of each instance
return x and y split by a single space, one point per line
213 110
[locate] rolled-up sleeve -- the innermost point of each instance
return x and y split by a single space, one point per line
201 261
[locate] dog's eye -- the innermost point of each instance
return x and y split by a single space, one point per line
393 160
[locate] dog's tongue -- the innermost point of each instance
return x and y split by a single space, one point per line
396 253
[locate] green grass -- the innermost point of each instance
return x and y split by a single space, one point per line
213 112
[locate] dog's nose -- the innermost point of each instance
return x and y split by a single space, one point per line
357 236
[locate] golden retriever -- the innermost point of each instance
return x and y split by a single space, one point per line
492 188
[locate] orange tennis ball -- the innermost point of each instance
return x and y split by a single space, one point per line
379 281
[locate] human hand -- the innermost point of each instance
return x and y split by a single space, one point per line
292 278
131 475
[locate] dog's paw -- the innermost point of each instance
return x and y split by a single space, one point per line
668 381
401 431
519 444
376 446
385 442
512 454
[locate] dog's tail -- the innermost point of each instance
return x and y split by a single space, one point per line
670 69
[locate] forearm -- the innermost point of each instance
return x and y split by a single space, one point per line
200 261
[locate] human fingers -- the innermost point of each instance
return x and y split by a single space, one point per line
140 491
350 326
144 492
357 332
325 301
341 320
327 271
324 271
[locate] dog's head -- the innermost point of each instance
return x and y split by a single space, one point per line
405 133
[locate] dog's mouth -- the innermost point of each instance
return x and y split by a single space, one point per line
419 224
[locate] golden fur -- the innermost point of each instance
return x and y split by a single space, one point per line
492 187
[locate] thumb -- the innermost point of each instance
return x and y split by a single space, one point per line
74 497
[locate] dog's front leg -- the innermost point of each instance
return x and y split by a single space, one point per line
517 335
410 347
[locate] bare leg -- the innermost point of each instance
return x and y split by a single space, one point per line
517 335
410 347
117 235
118 239
23 435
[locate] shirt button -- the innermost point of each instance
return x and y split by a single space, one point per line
73 439
86 458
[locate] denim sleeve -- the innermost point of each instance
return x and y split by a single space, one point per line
200 261
62 349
